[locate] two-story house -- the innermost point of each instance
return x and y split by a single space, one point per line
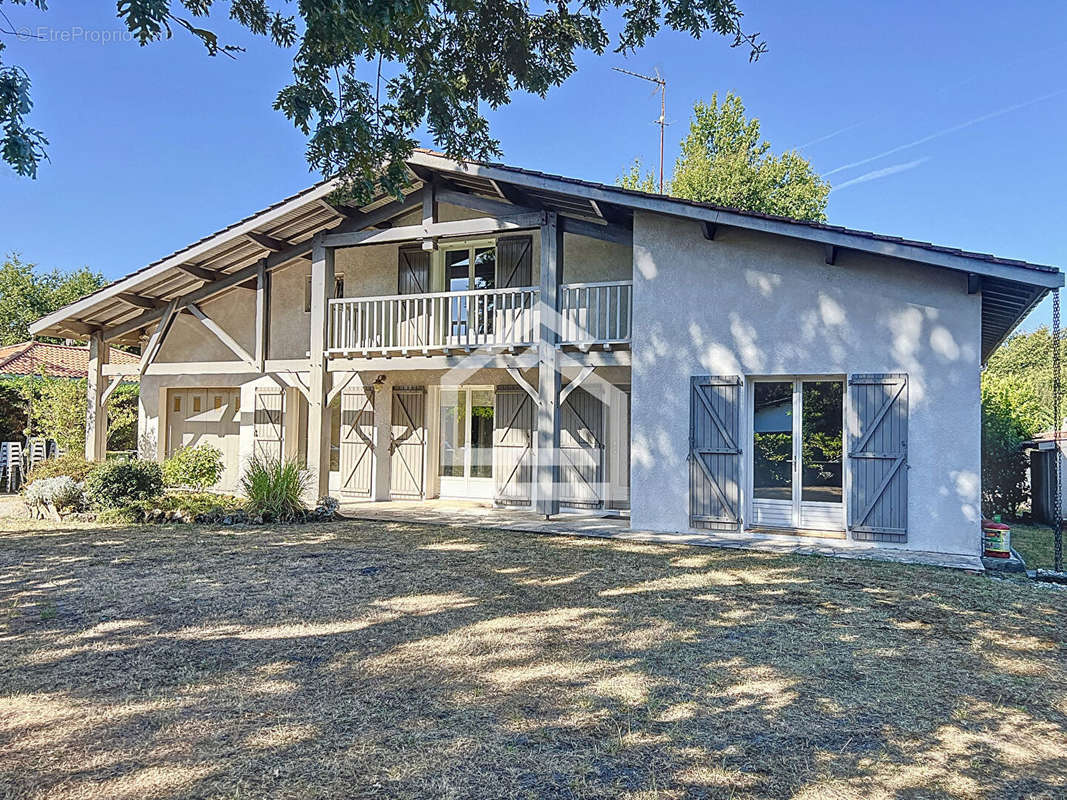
537 341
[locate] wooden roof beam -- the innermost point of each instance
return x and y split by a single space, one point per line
270 243
519 197
141 301
202 273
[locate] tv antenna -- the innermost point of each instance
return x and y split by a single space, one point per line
661 85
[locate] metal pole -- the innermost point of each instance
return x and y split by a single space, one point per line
662 122
1057 510
662 127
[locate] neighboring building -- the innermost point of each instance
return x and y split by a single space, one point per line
542 341
54 360
1044 449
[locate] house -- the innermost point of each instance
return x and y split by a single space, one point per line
53 360
539 341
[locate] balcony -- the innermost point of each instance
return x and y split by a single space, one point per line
591 314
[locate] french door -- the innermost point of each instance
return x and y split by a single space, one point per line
470 268
466 442
798 454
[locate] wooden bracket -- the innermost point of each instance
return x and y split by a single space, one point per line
524 384
297 383
339 387
565 392
155 341
110 390
222 335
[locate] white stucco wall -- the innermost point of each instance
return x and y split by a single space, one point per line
755 304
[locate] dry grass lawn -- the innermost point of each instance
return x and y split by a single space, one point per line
358 660
1035 544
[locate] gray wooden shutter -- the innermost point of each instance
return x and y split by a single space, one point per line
267 431
878 457
408 446
514 262
581 447
513 420
413 271
357 441
714 452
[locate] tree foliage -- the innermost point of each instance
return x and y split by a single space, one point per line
27 295
725 161
55 408
1023 365
1016 405
637 181
368 76
1005 485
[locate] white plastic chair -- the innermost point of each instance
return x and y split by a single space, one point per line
12 464
36 451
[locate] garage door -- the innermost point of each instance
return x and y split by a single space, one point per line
207 416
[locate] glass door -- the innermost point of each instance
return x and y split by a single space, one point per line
470 318
466 442
797 454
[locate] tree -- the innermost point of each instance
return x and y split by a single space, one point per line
1023 363
724 161
1004 461
26 295
636 181
367 76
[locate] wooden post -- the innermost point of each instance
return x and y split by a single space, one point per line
322 277
429 202
262 308
96 411
548 366
383 440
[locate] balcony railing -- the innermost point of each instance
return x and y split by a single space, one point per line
438 321
590 314
595 313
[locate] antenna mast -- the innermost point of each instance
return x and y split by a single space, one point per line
662 121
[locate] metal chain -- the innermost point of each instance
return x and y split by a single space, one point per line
1057 520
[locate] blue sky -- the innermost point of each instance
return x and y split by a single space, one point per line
942 122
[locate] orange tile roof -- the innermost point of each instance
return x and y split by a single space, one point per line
56 360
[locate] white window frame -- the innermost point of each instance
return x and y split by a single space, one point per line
748 461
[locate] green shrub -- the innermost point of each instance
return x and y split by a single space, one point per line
116 484
193 467
273 488
72 465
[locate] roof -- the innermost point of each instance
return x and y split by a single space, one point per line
877 237
56 360
1045 439
1010 288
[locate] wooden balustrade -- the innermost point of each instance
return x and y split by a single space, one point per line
590 314
596 313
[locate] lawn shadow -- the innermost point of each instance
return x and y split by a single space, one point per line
355 659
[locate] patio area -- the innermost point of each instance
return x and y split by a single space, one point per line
616 525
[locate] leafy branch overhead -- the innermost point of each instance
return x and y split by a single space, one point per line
368 76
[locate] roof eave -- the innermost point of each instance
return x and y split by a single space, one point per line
1049 278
